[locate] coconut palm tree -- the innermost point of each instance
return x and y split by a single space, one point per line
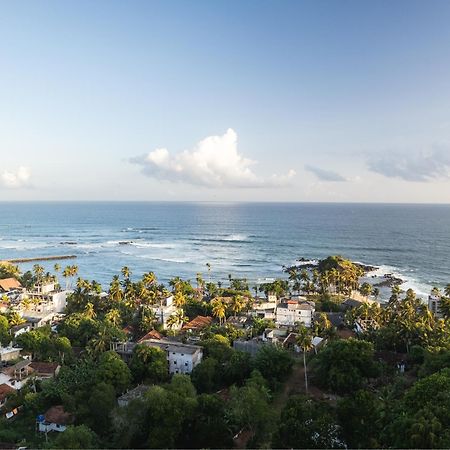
149 279
15 319
447 290
179 299
208 265
57 267
113 316
126 272
219 310
304 341
237 304
176 319
89 311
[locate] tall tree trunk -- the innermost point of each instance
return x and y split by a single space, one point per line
306 375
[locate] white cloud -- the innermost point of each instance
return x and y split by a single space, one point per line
213 162
417 167
19 178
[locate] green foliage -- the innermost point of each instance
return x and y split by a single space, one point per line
5 337
208 427
344 365
305 423
148 364
218 347
75 437
8 270
112 370
100 404
249 407
359 417
46 346
275 364
205 375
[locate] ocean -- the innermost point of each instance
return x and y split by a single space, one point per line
246 240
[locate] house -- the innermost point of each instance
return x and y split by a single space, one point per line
274 335
17 330
198 323
152 334
8 285
9 354
164 310
182 358
291 343
133 394
39 319
434 305
55 419
293 312
5 390
264 310
45 370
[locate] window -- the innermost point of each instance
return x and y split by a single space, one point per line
185 364
175 363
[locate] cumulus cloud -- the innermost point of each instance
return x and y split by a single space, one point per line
419 167
213 162
325 175
19 178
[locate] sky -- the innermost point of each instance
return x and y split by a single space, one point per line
225 100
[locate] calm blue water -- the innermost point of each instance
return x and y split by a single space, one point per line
246 240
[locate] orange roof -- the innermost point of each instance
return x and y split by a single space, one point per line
7 284
44 367
198 323
4 391
153 334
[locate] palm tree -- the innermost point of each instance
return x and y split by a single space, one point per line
57 267
219 309
322 325
89 311
304 341
176 319
447 290
149 279
208 265
25 303
113 316
15 319
126 272
444 306
179 299
38 270
237 304
376 293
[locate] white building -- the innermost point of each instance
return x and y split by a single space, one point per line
182 358
433 305
293 312
265 310
164 310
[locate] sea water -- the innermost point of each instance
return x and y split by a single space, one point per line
245 240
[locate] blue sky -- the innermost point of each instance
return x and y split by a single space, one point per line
225 100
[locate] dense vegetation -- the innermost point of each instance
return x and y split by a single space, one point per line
387 387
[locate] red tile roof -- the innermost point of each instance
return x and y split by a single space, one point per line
46 368
153 334
198 323
4 391
7 284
